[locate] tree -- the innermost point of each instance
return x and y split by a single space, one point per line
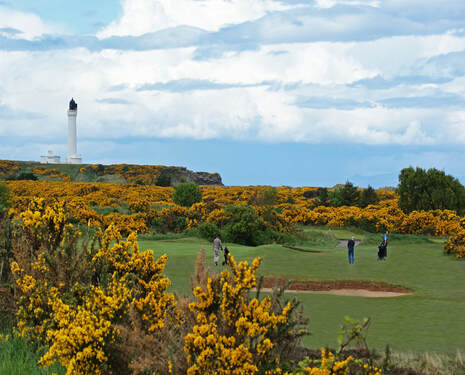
244 226
428 190
347 195
186 194
164 179
368 197
323 196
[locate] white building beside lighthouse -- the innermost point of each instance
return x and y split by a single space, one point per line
72 157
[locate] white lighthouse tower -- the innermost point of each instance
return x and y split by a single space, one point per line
72 157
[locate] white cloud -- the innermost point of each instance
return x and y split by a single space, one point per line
144 16
331 3
17 24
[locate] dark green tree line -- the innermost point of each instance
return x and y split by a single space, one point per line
430 189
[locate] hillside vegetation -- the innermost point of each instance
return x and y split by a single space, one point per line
159 175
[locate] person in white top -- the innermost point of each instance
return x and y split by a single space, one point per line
217 246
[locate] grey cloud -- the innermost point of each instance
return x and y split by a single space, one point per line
10 30
379 83
183 85
447 65
119 87
339 23
214 50
445 100
302 24
8 113
426 10
336 103
177 37
113 101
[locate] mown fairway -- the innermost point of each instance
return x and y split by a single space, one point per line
432 319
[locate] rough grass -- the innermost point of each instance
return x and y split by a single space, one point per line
432 363
17 357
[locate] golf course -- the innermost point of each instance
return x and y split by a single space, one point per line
432 318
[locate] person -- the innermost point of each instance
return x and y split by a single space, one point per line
350 247
226 256
217 246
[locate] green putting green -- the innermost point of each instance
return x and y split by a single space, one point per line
431 319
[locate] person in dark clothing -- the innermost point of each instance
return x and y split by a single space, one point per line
381 250
350 247
226 256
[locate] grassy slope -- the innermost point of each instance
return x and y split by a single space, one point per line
19 358
432 319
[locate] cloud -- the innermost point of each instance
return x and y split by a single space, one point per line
30 25
439 101
379 83
185 84
177 37
10 31
113 101
338 23
11 114
238 81
445 65
146 16
328 102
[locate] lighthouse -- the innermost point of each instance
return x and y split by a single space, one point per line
72 157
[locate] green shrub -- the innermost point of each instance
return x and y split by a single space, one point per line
23 176
245 227
163 180
208 231
368 197
186 194
347 195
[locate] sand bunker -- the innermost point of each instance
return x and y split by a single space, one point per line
339 287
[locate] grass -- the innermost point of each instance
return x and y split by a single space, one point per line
17 357
429 320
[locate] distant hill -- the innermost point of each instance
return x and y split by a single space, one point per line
115 173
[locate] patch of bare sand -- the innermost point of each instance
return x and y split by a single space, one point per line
358 288
346 292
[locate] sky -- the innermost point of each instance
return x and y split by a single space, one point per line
264 92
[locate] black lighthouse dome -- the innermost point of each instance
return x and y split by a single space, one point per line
72 105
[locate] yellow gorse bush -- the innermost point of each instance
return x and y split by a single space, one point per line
153 203
232 334
329 364
75 301
148 203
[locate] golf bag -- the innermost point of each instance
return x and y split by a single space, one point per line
382 250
